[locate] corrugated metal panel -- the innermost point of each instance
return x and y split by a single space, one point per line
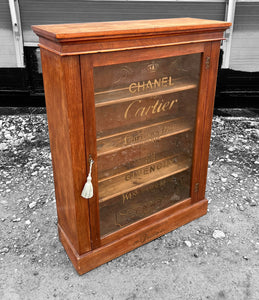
7 50
245 42
67 11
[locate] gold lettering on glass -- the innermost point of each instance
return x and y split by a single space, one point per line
136 109
143 86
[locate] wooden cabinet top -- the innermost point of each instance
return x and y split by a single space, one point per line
85 31
86 38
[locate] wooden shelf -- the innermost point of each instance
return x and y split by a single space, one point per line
125 209
174 184
109 97
138 177
146 132
138 155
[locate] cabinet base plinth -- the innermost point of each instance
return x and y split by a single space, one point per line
96 257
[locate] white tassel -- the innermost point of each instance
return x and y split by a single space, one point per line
87 191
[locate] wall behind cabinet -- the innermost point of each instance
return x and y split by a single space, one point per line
245 43
68 11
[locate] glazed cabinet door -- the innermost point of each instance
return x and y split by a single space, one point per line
143 133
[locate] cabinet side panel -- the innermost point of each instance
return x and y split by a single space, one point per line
59 134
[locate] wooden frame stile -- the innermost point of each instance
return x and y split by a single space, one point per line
90 139
66 131
198 142
69 55
208 113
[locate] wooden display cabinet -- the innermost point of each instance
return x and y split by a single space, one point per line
136 97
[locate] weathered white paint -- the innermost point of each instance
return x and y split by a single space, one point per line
230 17
7 49
17 32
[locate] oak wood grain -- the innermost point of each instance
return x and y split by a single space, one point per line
90 142
111 29
70 52
197 157
141 176
208 114
108 238
140 154
66 132
115 97
124 44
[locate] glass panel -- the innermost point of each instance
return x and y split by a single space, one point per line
145 120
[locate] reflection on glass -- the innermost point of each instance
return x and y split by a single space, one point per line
145 120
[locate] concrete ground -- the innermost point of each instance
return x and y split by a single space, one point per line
214 257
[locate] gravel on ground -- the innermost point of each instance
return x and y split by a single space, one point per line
214 257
